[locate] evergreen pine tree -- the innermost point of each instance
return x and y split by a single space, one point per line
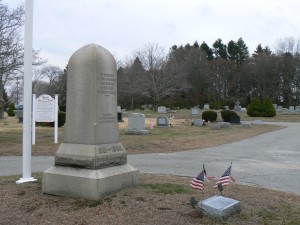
268 109
255 108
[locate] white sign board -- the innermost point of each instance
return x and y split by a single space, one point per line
45 109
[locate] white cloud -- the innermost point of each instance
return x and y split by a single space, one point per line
123 26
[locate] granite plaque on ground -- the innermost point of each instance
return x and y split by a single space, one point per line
220 207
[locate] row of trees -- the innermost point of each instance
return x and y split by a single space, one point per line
194 74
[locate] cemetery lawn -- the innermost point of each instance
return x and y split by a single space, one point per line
180 137
157 200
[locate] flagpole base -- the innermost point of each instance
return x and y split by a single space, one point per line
25 180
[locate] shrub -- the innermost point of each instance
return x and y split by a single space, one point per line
209 115
255 108
228 114
230 103
215 105
268 109
10 111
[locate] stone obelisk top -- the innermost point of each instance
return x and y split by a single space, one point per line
92 109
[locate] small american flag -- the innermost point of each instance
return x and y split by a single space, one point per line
224 179
198 182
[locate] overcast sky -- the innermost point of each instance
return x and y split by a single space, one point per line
124 26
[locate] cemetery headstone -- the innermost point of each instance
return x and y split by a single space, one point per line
120 114
279 108
215 126
246 125
258 122
136 124
297 108
206 106
226 107
275 106
224 124
220 207
91 162
195 111
162 109
291 109
162 121
198 122
237 106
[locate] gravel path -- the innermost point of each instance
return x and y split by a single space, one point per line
270 160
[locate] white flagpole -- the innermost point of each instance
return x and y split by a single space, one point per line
27 94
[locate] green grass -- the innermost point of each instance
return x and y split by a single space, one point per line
168 188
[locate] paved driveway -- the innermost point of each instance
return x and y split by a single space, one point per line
269 160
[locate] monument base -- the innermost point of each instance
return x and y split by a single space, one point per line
137 132
87 183
219 207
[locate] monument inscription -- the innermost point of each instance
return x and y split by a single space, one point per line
107 84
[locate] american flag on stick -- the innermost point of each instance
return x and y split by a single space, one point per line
198 182
224 179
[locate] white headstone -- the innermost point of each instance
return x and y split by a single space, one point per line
162 109
224 124
198 122
206 106
136 124
291 109
195 111
119 109
226 107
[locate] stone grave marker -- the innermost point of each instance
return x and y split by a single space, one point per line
162 109
206 106
226 107
297 108
120 114
224 124
162 121
246 125
237 106
136 124
220 207
198 122
90 162
195 111
291 109
215 126
258 122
